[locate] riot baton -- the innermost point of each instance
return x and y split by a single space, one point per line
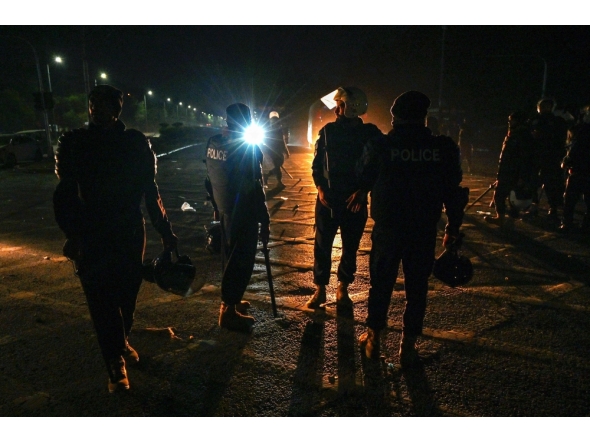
286 172
492 186
271 287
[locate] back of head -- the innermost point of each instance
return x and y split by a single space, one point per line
238 116
546 105
410 107
354 99
108 94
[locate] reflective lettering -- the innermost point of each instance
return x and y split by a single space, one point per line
415 155
216 154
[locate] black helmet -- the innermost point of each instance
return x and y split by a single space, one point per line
453 269
175 277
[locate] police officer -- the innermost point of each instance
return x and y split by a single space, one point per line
275 148
550 133
577 164
411 174
234 168
466 142
104 172
340 202
516 171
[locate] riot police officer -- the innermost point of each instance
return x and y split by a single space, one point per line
515 169
234 169
577 164
411 174
550 133
275 149
340 202
104 172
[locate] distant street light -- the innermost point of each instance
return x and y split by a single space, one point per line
57 60
179 104
41 92
145 104
102 75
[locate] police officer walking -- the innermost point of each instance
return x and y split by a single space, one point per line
411 174
577 164
104 172
234 169
340 202
516 172
275 149
550 133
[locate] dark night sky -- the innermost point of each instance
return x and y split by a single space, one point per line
291 66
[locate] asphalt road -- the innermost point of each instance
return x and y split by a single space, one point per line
513 342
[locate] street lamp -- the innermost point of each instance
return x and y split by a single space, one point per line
41 92
179 104
102 75
57 60
165 113
145 104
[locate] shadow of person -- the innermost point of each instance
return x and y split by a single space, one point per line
346 348
376 387
309 371
419 391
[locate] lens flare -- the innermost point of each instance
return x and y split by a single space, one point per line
254 134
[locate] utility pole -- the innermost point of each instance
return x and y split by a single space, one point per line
85 70
442 68
41 93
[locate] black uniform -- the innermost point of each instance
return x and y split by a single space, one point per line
550 133
338 148
275 149
577 163
104 174
516 170
234 169
411 174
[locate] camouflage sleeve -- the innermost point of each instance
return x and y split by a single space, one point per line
67 205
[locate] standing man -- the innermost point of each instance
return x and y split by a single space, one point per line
340 202
550 133
411 174
516 171
275 149
234 168
104 172
466 142
577 164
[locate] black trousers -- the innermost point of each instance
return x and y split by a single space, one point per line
415 251
577 185
352 226
111 274
277 161
553 182
501 193
240 242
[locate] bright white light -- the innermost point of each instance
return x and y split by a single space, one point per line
150 93
58 59
168 100
254 134
328 99
103 75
